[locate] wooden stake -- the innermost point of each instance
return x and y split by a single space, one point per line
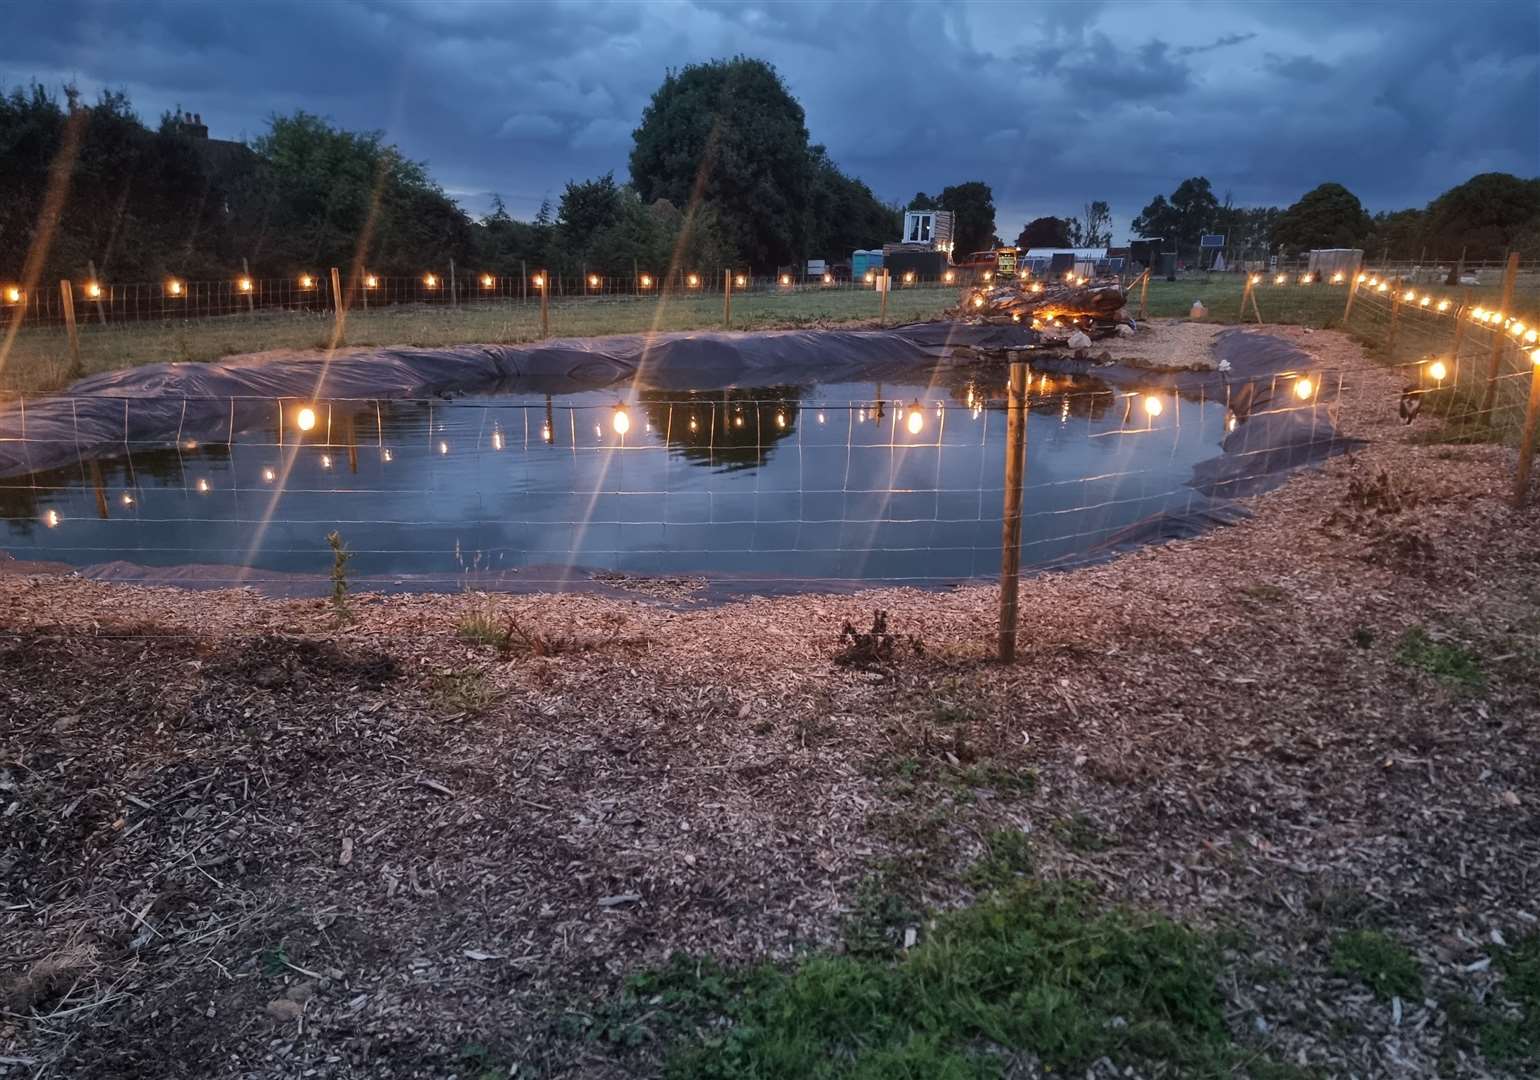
1352 292
1144 292
523 283
1010 531
545 303
338 316
1254 309
1395 318
454 300
1245 295
882 309
67 302
727 299
251 300
1527 445
1498 338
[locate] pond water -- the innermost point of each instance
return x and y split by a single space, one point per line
802 483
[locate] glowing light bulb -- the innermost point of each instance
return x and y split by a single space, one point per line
1362 278
780 419
128 500
1479 313
1374 281
1384 286
1336 279
487 281
989 275
244 283
173 287
978 301
1280 279
430 280
1534 356
909 277
538 281
915 420
1443 305
621 421
1256 279
1307 279
305 418
1303 388
870 277
268 476
949 277
443 447
203 486
93 290
593 281
740 281
694 280
306 281
1425 301
828 279
1438 370
371 282
1409 295
1037 286
51 518
646 281
1517 328
1152 405
1531 336
12 294
785 279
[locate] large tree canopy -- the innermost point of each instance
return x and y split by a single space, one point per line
1328 216
1191 211
973 208
1488 214
1044 232
729 134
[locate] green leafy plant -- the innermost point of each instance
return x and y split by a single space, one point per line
1380 961
1451 664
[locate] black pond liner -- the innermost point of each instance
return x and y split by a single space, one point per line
208 402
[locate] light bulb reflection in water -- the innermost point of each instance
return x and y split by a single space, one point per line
915 421
1152 405
1303 389
1438 370
621 421
305 418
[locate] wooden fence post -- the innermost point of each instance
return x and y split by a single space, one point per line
338 317
1527 443
727 299
1395 317
1498 338
1144 292
1245 295
545 303
1010 530
523 282
454 299
101 314
251 302
882 308
67 303
1352 292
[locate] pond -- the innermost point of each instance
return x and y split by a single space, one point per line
800 483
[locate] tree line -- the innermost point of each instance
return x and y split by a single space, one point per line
722 172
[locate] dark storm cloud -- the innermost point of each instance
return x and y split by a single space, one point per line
1053 104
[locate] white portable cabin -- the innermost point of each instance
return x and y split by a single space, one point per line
933 228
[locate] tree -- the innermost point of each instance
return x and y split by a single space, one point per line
729 134
922 201
1156 219
1328 216
1096 231
842 213
1400 234
1043 232
973 215
1487 215
1191 211
584 210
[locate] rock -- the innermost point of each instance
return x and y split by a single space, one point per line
300 992
1124 330
284 1011
1079 340
1198 310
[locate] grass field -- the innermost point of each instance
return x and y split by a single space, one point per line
39 358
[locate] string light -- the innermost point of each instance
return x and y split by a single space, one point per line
1152 405
1362 278
1280 279
1535 357
1531 336
1373 281
306 281
1409 295
828 279
1425 301
915 420
12 294
1443 305
268 476
538 281
1384 286
909 277
646 281
989 275
1438 370
740 281
1479 313
870 277
1037 286
51 519
1518 328
203 486
949 277
785 279
1336 279
305 418
1256 279
1303 388
173 288
487 281
693 280
93 290
371 282
1307 279
244 284
430 280
978 301
621 421
593 281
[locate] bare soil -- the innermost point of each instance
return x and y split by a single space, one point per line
240 838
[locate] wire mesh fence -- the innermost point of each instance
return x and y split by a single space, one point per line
901 485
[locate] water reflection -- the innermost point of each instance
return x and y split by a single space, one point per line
893 481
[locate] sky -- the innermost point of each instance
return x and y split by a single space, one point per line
1051 104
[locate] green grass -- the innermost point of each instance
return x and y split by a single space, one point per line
1451 664
482 627
1033 969
40 361
1383 963
1007 858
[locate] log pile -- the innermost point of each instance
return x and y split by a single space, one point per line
1054 309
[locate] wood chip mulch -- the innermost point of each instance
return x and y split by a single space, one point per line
238 839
